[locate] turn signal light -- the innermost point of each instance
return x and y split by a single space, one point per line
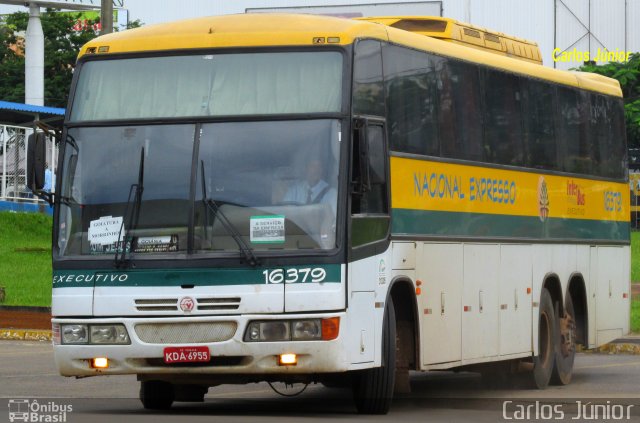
330 328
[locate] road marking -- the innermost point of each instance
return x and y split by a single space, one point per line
602 366
6 353
30 375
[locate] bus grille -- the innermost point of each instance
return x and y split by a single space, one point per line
185 333
204 304
163 304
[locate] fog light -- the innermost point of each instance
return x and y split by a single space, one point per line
100 363
287 359
74 334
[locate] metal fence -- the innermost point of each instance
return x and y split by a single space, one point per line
13 163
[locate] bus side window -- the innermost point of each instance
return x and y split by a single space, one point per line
411 89
459 83
503 118
606 130
370 205
368 92
539 130
573 131
374 201
618 159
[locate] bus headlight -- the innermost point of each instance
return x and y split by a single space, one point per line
269 331
293 330
74 334
108 334
305 330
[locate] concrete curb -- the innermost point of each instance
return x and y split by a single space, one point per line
619 348
25 335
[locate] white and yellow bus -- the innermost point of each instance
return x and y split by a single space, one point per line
313 199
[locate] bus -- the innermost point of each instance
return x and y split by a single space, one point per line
310 199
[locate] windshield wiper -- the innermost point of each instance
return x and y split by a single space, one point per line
245 249
135 189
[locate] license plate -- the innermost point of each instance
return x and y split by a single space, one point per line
186 355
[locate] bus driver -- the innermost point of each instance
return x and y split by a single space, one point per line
313 189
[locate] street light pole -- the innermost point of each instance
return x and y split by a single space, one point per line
34 58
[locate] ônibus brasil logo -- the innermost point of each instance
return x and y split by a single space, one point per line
33 411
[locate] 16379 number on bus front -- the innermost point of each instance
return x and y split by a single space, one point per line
198 354
313 275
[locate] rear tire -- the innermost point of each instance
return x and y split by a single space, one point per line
156 395
373 388
565 345
543 363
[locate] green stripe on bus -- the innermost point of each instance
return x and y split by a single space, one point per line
426 222
178 277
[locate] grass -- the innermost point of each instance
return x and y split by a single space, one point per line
635 316
635 257
25 258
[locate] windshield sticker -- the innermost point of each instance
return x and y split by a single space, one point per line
266 229
156 244
104 231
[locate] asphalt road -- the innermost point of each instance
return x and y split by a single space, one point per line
27 371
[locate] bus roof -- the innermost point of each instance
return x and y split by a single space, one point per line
261 29
465 34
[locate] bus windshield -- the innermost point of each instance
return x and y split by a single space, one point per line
274 181
209 85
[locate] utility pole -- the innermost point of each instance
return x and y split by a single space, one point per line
106 17
34 58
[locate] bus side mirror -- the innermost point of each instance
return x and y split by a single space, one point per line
36 161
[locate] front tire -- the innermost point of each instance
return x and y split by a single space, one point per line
543 363
373 388
156 395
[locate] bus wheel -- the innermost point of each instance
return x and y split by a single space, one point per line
373 388
543 362
565 345
156 395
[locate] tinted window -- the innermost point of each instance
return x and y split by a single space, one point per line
368 91
410 80
374 201
502 117
539 131
617 141
460 111
572 132
209 85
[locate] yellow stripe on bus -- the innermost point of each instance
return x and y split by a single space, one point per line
428 185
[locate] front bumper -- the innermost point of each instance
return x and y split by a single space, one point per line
233 356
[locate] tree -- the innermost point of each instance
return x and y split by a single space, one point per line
62 44
628 74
